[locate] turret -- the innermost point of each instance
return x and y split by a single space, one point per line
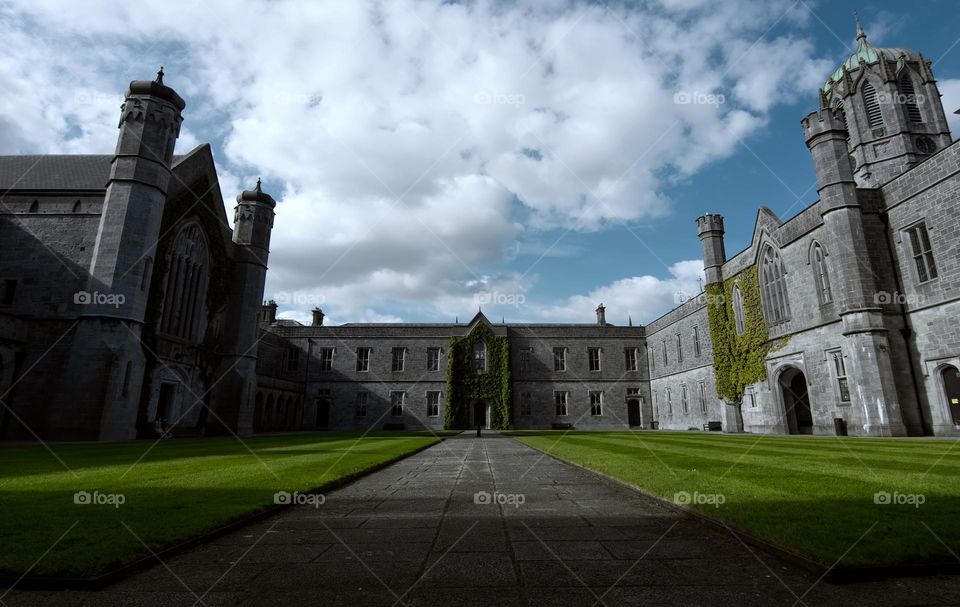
710 228
253 220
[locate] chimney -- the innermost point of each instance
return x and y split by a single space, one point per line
268 312
601 315
317 317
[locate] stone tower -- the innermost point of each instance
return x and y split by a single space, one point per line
866 349
252 226
889 103
710 228
106 360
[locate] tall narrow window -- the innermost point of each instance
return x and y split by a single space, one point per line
656 405
363 359
922 252
525 359
127 371
593 355
326 359
559 359
630 356
433 404
399 359
293 359
679 348
361 404
526 404
396 403
841 371
480 356
818 259
872 104
908 97
696 341
701 390
774 284
596 403
433 359
669 403
683 399
560 398
666 361
738 310
183 299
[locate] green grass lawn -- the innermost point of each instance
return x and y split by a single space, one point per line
182 488
814 495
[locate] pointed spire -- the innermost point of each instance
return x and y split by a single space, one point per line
456 320
630 320
861 35
160 76
258 185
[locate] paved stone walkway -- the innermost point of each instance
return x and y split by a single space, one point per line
415 534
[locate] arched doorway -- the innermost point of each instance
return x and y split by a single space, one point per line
480 413
796 401
633 412
951 386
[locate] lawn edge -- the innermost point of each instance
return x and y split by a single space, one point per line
834 574
96 582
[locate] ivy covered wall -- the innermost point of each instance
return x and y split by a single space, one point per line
738 360
464 384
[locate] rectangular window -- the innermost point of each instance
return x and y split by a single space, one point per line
669 399
593 355
841 370
596 403
526 404
750 398
399 358
559 359
363 359
656 405
630 356
679 349
525 359
922 252
433 404
293 359
561 399
666 361
396 403
326 359
696 341
361 409
683 399
701 389
433 359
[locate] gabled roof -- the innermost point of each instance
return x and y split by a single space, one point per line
61 172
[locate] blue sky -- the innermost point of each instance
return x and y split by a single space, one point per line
430 157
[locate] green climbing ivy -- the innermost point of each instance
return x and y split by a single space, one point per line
464 384
738 360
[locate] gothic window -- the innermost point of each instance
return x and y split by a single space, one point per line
872 105
186 284
818 259
908 97
361 410
773 283
669 403
596 403
396 403
480 357
738 310
922 252
839 112
433 404
683 399
703 398
925 145
840 370
525 359
679 349
560 398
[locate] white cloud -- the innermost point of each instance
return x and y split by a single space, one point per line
411 137
950 96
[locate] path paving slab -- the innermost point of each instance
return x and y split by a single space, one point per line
486 522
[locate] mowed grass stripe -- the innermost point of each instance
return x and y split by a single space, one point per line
812 495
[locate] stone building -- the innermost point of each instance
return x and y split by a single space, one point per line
126 297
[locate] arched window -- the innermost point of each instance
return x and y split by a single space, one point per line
738 310
480 356
818 259
908 97
186 284
872 105
839 111
773 284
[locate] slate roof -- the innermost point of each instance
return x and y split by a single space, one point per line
57 172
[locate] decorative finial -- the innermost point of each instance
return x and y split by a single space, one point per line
258 184
630 320
861 35
160 76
